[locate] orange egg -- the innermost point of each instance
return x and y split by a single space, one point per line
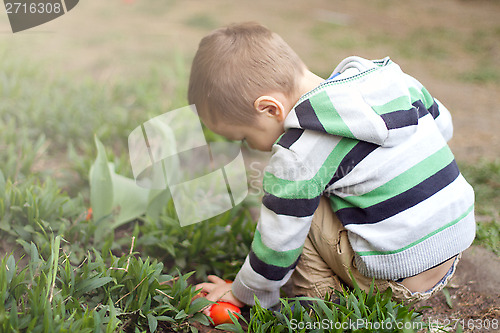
219 312
89 214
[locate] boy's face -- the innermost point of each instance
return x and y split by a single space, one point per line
270 112
260 135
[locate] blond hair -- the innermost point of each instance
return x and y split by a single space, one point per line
236 64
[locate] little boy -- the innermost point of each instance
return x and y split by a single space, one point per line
361 179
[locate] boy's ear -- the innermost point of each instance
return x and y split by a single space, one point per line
270 106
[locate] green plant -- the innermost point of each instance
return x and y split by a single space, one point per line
346 311
115 199
34 211
19 151
99 295
54 106
484 176
216 246
488 235
48 120
31 301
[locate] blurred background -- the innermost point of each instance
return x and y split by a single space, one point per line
451 46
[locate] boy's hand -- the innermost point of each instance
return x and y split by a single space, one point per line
218 290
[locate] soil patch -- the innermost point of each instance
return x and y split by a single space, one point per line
474 294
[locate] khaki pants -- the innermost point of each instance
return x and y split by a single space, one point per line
327 259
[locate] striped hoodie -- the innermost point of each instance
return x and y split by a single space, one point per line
374 141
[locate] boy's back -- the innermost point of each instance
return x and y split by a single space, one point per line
372 140
386 167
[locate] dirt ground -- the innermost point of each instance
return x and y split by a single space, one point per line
474 294
116 40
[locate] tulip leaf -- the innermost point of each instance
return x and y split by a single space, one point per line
101 185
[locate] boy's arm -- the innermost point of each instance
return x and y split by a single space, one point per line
286 213
266 269
439 112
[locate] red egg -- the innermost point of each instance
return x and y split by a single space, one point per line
89 214
219 312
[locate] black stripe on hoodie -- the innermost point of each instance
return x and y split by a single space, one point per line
270 272
402 201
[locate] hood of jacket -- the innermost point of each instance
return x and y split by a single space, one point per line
372 101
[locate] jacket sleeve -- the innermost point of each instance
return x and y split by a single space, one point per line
443 121
439 112
286 214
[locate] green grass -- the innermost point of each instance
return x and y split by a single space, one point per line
346 311
429 43
101 294
435 46
483 73
488 235
202 21
51 120
484 176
